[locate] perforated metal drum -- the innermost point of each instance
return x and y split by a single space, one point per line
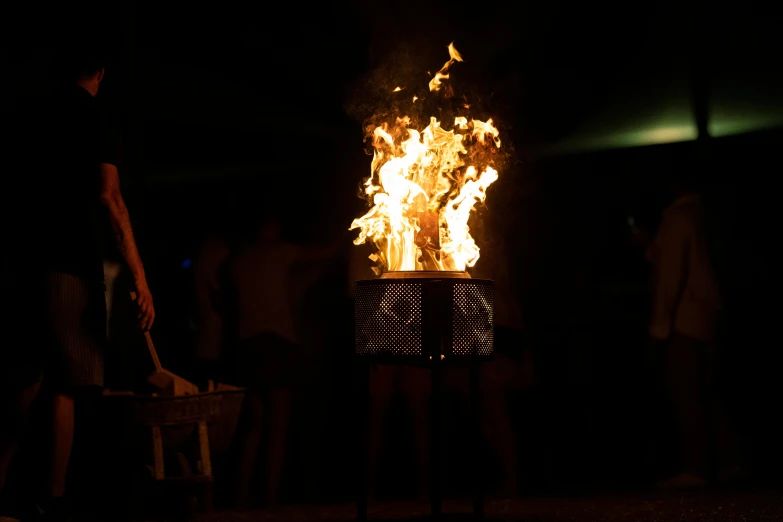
422 315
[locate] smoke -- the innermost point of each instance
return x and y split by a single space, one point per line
398 86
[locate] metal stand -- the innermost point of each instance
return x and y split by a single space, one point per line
475 422
436 437
362 393
427 320
436 486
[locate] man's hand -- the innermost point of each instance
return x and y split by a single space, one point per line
146 310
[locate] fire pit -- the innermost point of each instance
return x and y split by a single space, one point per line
424 309
423 315
427 319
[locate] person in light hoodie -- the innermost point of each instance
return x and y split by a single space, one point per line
687 309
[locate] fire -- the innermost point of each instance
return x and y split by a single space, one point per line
423 191
443 74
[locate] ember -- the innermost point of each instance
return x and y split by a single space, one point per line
423 188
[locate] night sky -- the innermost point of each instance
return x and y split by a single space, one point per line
218 94
199 86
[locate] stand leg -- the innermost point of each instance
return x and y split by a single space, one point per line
435 465
475 427
362 389
157 453
208 499
203 441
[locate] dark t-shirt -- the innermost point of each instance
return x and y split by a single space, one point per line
57 220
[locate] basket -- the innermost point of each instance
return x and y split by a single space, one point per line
221 410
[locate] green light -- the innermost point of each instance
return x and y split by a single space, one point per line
729 123
655 118
654 135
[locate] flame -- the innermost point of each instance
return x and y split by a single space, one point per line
423 191
443 74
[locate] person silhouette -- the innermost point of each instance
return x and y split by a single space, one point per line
687 310
69 161
267 352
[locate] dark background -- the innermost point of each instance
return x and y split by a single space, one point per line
225 108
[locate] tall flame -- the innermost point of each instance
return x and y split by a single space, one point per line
423 192
443 74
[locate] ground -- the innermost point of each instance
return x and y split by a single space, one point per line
749 505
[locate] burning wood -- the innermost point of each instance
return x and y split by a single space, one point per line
424 185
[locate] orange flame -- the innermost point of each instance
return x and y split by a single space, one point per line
423 192
443 74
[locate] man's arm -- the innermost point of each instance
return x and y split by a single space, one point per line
111 198
671 272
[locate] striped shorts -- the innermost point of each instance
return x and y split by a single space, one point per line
63 323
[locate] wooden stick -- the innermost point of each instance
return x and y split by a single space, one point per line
153 352
150 344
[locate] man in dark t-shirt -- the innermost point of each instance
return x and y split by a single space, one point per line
61 182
